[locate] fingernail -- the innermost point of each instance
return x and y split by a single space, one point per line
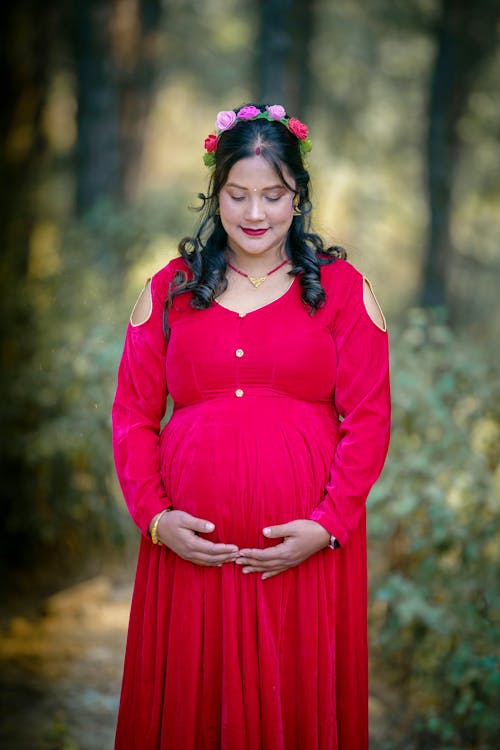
246 570
209 526
266 531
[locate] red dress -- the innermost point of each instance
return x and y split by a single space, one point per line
279 415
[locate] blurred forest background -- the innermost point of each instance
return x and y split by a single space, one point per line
106 104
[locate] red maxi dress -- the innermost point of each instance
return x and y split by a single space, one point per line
278 415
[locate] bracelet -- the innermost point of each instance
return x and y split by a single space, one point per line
154 527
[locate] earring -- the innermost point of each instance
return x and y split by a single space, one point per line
217 211
296 209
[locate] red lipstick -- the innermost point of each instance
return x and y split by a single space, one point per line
253 232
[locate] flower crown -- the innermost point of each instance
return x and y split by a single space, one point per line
227 119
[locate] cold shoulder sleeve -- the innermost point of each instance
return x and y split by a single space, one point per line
362 401
140 404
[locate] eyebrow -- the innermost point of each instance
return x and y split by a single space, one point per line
271 187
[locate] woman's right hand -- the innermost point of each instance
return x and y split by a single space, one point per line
179 531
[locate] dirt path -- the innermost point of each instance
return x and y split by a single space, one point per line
61 672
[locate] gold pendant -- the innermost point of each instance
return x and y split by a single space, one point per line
257 280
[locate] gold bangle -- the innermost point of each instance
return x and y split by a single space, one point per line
154 527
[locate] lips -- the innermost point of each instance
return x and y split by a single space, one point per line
253 232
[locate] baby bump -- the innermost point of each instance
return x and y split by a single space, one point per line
247 468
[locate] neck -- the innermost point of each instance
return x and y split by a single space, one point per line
255 264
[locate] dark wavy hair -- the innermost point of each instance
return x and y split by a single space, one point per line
204 252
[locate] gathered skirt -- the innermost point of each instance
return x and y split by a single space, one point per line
221 660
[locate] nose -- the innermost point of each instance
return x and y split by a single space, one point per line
254 209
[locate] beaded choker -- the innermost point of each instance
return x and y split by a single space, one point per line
227 119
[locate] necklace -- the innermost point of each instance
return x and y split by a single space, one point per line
256 281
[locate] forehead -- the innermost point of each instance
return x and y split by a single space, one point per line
255 172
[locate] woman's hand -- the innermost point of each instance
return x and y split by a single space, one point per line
179 531
301 539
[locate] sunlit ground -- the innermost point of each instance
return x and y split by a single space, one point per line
61 669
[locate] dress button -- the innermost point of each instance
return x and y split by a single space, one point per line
238 392
239 352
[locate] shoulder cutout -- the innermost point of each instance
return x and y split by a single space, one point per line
143 307
372 306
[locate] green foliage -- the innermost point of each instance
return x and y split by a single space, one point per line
436 531
58 736
79 316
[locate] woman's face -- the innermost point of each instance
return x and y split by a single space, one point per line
256 209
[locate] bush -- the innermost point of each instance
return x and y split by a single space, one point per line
435 529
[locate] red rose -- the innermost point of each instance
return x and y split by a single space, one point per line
298 128
211 143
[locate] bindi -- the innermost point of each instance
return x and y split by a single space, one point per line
257 151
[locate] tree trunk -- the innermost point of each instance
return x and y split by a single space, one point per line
466 35
26 32
138 83
98 145
116 61
303 24
283 53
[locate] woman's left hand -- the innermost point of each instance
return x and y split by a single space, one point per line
301 539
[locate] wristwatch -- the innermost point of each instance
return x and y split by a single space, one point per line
334 543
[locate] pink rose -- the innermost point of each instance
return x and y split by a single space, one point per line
276 111
298 128
225 120
211 143
247 113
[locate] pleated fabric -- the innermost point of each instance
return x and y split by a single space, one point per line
278 415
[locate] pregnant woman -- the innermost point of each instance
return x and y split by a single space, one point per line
248 620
